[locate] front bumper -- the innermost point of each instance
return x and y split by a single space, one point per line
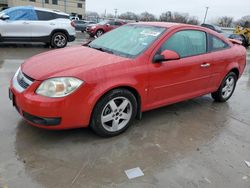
91 32
50 113
71 38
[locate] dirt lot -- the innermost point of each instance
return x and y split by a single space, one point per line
196 143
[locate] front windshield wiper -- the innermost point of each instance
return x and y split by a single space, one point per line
101 49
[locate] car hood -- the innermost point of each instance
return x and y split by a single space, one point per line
90 25
72 61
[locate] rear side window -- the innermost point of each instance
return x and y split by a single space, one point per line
61 16
111 22
45 16
216 44
187 43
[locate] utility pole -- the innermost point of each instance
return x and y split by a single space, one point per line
205 15
105 13
65 5
116 10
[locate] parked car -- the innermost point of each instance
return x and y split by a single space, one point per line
103 27
130 70
213 27
81 25
32 24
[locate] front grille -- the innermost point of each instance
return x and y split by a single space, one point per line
23 80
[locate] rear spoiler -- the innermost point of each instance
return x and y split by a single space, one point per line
234 41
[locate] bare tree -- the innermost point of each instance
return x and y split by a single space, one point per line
178 17
193 20
225 21
166 16
109 15
129 16
148 17
244 21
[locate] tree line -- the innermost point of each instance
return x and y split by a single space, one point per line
169 16
146 16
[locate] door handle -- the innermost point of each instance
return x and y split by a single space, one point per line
25 23
205 65
52 24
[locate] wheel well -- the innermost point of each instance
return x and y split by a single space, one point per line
134 92
236 71
100 30
59 31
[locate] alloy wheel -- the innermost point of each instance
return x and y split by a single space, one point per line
228 87
59 40
116 114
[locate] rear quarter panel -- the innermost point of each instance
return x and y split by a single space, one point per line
236 59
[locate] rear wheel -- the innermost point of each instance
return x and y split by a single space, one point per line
114 113
226 88
59 40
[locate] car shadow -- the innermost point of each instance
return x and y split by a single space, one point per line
21 45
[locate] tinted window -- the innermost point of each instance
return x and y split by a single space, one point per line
217 44
111 22
54 2
118 23
186 43
80 22
42 15
79 5
61 16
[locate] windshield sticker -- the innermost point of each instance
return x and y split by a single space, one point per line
150 33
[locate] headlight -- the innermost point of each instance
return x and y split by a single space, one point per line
93 27
58 87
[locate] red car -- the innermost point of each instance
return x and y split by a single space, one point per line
130 70
103 27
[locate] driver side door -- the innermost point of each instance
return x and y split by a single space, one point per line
177 80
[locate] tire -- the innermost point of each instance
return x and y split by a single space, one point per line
107 118
99 32
59 40
226 88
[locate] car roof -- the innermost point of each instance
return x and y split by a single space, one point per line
49 10
167 24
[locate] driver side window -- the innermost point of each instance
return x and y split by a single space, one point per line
187 43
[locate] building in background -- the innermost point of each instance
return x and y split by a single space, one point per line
74 7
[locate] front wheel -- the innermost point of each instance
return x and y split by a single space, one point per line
226 88
99 32
114 113
59 40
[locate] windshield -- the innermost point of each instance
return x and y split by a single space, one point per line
103 22
2 13
128 41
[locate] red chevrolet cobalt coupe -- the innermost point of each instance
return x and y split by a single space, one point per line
132 69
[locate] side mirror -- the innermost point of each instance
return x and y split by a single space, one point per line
107 25
166 55
4 17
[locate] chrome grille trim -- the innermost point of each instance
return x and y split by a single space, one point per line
21 82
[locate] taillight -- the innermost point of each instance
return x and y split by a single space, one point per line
73 24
